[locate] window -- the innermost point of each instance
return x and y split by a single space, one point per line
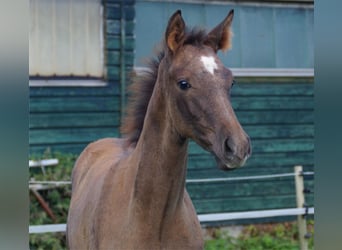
66 39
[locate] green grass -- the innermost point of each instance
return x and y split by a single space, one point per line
278 236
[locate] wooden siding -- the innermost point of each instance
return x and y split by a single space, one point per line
278 116
276 112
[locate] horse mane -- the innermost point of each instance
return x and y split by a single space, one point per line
140 91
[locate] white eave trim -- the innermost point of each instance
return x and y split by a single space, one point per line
267 72
67 83
253 3
237 72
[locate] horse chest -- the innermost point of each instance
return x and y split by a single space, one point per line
135 231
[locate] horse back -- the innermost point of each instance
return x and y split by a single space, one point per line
100 155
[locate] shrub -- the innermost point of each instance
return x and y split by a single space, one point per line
57 198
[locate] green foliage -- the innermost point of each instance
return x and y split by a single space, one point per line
311 233
260 237
57 198
53 241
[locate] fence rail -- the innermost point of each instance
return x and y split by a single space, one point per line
53 228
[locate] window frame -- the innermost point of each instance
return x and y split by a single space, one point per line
55 80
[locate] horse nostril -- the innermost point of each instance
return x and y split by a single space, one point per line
249 150
242 150
229 147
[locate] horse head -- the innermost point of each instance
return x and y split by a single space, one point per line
197 88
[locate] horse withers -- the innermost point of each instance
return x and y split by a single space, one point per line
129 193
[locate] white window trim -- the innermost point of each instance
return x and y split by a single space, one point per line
67 83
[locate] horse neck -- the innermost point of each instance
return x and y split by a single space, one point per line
161 163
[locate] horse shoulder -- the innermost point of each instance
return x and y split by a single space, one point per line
94 168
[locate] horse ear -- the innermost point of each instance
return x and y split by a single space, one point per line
220 37
175 31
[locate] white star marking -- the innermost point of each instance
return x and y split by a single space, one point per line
209 63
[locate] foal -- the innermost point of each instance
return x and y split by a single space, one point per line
130 193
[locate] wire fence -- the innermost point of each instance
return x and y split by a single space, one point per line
299 211
204 180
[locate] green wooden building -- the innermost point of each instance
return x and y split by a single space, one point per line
81 53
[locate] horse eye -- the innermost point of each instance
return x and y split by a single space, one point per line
184 85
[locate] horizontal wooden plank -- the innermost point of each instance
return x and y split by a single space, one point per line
74 104
114 43
43 120
282 117
72 120
276 160
228 190
243 204
112 89
274 80
206 160
269 146
272 103
279 131
287 89
113 72
70 135
113 27
283 145
114 12
248 203
114 57
272 89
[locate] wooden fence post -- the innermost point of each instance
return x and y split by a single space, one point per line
301 220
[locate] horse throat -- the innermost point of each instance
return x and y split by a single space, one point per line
161 158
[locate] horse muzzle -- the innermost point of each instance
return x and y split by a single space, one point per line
234 154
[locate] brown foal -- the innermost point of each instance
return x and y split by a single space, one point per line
130 193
